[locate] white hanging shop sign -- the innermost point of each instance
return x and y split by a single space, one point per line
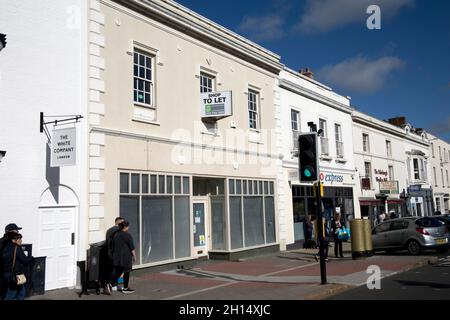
63 147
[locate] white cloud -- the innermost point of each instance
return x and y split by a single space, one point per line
325 15
359 74
262 28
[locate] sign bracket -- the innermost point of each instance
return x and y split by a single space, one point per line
42 123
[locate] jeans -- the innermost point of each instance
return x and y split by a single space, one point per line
18 294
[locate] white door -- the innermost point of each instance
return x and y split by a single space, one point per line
56 242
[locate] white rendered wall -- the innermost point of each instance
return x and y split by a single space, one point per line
42 68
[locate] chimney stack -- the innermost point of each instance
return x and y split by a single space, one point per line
307 73
398 121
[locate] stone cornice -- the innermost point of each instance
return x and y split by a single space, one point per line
288 85
175 16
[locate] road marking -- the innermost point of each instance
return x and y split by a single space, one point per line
231 282
199 291
286 270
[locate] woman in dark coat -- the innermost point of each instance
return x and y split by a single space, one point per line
123 255
337 224
12 247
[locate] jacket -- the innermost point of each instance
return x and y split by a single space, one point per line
22 261
334 228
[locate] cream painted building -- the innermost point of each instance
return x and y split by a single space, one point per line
392 160
305 100
440 167
192 187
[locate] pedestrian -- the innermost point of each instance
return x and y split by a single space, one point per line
124 255
336 226
307 231
12 227
325 239
109 244
14 262
381 217
392 214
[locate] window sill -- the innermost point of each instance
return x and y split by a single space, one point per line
255 141
142 105
255 130
326 158
155 123
341 160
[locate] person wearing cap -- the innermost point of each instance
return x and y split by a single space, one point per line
10 228
14 261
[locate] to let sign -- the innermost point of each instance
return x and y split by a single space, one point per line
63 151
216 104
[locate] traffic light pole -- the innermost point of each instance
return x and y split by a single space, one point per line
323 268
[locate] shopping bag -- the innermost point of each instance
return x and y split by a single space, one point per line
343 234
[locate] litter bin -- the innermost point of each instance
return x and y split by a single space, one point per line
97 261
37 283
367 229
357 237
361 234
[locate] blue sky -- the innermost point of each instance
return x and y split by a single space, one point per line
401 70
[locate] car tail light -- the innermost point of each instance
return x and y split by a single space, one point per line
422 231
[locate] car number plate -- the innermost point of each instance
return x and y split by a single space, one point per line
441 241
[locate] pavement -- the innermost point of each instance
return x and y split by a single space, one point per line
287 275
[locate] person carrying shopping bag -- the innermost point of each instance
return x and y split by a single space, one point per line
14 263
337 229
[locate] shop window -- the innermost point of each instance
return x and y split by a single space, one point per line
185 185
253 221
238 187
157 237
169 182
145 183
218 226
129 210
124 183
236 222
135 183
153 183
270 219
231 187
182 234
177 182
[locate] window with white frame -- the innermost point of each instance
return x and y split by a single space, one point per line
295 126
339 143
143 78
253 112
432 149
207 82
366 180
416 169
391 173
440 153
366 146
442 176
388 149
323 137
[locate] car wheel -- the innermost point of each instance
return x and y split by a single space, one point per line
414 247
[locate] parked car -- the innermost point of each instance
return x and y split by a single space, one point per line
413 234
445 219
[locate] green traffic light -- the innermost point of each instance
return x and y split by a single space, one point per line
307 173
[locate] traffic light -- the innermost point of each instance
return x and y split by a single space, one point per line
307 157
2 41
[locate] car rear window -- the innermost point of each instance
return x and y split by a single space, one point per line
428 223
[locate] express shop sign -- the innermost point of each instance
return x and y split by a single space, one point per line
331 177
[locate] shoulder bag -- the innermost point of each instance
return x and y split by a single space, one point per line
17 278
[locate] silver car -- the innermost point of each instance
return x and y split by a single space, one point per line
413 234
